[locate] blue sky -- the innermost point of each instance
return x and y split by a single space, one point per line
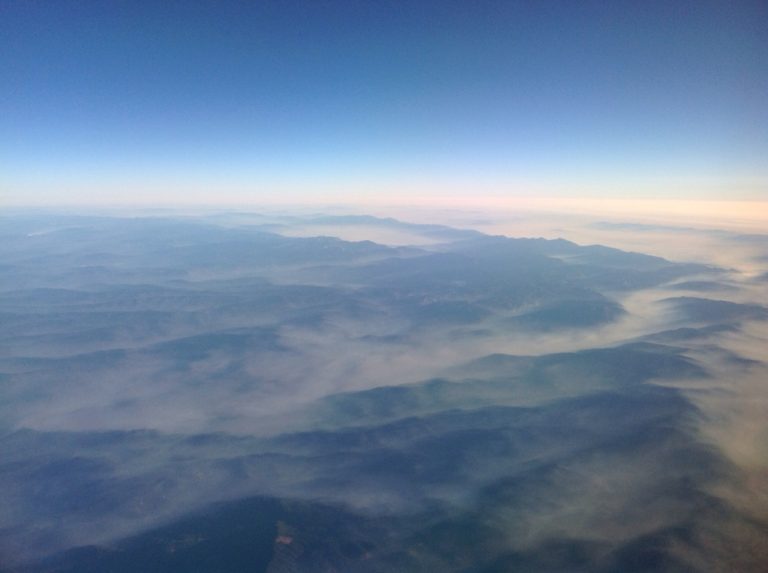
104 100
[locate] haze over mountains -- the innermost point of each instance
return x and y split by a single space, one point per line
240 391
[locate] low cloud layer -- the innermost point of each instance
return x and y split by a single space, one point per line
605 403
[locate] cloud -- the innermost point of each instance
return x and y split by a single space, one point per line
127 406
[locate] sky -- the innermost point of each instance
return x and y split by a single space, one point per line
195 101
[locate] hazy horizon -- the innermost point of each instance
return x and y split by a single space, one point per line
343 286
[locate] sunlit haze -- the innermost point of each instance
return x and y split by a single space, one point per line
356 286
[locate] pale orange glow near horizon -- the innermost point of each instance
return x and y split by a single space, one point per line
742 214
